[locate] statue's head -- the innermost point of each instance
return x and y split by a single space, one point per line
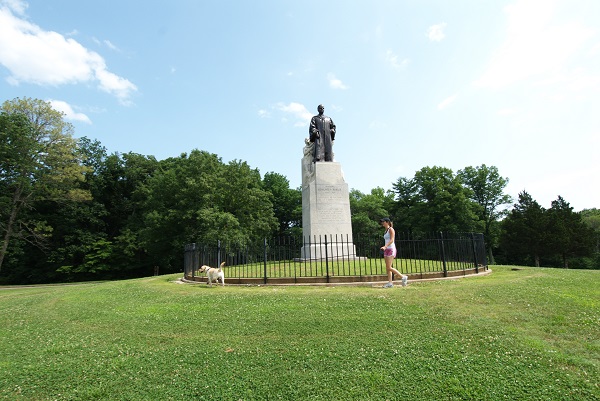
320 109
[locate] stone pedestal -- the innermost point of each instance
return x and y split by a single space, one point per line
326 212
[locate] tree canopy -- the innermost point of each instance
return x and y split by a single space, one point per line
39 161
434 200
70 211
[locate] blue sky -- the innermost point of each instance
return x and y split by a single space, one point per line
512 84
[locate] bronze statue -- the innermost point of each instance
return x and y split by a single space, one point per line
322 134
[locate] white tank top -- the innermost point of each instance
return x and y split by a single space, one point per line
386 238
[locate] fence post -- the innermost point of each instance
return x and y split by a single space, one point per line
219 252
443 254
194 265
326 260
265 258
474 253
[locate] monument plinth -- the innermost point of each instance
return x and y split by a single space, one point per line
326 215
326 221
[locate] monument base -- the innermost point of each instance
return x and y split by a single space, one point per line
330 251
326 219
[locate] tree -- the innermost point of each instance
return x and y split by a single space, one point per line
525 232
403 209
367 209
99 239
244 196
182 206
442 202
591 217
39 161
570 236
487 190
197 198
287 203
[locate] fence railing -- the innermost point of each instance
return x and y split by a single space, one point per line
283 259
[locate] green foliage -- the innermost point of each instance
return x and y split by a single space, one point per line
434 200
570 235
525 235
71 212
591 217
513 334
287 203
197 198
39 162
533 235
112 218
487 191
368 209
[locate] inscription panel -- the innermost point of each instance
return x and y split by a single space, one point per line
332 202
331 193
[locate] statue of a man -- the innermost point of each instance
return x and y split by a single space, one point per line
322 134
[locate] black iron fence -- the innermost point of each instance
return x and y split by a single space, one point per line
334 258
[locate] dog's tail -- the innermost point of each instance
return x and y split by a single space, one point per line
221 267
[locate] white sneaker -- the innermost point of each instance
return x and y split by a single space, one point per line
388 285
404 281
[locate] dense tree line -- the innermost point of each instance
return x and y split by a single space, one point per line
473 200
70 211
550 237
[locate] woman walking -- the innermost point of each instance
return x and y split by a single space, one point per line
389 252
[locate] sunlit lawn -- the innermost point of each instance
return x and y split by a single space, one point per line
529 334
343 267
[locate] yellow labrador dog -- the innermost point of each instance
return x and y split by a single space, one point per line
213 274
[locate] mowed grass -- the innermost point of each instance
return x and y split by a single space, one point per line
529 334
368 266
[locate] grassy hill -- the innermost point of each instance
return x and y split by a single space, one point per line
527 334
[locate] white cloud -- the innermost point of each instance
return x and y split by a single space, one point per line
110 45
335 83
70 114
435 33
536 46
33 55
115 85
298 111
394 60
447 102
18 6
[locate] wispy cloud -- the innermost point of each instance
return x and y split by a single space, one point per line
435 33
104 42
335 83
36 56
395 61
444 104
111 46
70 114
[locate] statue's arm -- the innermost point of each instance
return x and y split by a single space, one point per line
332 127
312 130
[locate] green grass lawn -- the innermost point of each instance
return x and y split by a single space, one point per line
529 334
344 267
